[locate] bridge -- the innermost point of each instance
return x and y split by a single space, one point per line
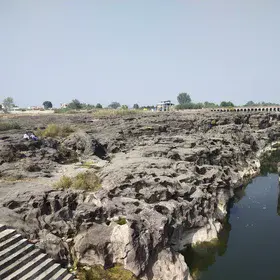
247 109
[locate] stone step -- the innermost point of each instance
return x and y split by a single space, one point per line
69 277
6 234
20 260
2 227
28 267
51 271
17 255
8 242
60 274
12 249
38 270
18 265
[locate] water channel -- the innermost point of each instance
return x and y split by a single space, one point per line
249 245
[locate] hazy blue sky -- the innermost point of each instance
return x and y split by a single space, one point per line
139 51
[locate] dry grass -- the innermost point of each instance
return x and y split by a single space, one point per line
99 273
88 164
8 125
54 130
114 112
66 111
88 181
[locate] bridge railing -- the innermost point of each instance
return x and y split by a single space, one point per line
247 109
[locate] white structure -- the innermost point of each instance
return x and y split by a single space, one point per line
164 105
36 108
64 105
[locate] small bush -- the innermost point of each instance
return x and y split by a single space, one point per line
65 182
85 181
53 130
99 273
121 221
4 126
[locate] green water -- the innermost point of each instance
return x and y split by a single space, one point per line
249 245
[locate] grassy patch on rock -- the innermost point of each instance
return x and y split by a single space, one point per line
66 111
54 130
88 181
121 221
114 112
89 164
99 273
5 126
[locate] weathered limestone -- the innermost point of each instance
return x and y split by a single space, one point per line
170 266
168 176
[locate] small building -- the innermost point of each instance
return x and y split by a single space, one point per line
63 105
36 108
15 109
164 106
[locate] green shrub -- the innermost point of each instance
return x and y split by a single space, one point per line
53 130
4 126
121 221
85 181
99 273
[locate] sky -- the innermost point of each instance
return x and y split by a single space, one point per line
139 51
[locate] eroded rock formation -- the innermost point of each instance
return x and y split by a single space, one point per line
168 177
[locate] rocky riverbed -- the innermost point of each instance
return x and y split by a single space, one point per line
166 176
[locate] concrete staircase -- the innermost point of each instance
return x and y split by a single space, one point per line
20 259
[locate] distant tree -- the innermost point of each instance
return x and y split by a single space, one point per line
8 104
98 106
75 104
226 104
250 103
199 105
114 105
148 107
184 98
124 107
87 106
189 106
136 106
1 107
267 104
47 105
210 105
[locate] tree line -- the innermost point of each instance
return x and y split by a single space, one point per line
185 102
77 105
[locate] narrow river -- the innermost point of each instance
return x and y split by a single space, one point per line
249 246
